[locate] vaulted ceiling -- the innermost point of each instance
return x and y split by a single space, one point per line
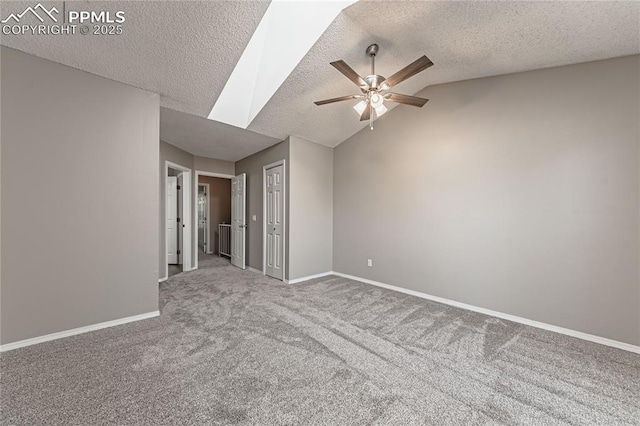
186 51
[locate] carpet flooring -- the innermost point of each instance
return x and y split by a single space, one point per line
235 347
174 270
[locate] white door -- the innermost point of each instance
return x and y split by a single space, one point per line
180 220
202 218
238 224
274 222
172 219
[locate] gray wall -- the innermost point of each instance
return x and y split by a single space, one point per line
219 207
310 208
214 165
79 198
252 166
517 193
176 155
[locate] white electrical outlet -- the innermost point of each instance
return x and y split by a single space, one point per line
369 262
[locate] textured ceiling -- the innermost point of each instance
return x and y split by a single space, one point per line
207 138
185 51
182 50
464 40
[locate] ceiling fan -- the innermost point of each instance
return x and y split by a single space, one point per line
375 88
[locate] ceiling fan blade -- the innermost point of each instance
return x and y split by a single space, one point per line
406 99
409 71
349 72
341 98
366 114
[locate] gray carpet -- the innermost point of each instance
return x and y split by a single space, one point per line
174 270
234 347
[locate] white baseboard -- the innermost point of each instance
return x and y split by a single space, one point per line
161 280
307 278
75 331
254 270
573 333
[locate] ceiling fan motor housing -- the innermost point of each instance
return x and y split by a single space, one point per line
374 82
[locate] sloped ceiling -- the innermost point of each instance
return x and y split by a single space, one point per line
464 39
186 50
207 138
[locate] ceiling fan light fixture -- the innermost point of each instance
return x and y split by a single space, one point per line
380 109
376 100
360 106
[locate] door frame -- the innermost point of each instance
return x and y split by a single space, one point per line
187 219
196 178
282 163
207 217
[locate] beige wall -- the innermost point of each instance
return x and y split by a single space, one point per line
517 193
252 166
310 208
219 206
79 198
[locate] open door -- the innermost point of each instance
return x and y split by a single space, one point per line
180 219
172 220
238 223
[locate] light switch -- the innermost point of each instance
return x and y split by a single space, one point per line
254 218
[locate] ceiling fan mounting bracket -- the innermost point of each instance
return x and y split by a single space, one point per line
372 50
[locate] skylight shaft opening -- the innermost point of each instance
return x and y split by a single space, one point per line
283 37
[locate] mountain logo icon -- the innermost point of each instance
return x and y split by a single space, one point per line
34 11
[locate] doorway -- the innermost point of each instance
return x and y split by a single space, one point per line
214 215
274 219
177 219
222 232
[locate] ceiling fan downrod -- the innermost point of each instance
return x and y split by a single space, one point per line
372 51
